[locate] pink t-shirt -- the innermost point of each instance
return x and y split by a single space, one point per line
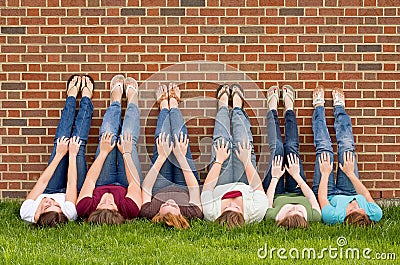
126 206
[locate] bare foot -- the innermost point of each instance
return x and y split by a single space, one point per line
238 96
223 96
87 90
162 97
73 86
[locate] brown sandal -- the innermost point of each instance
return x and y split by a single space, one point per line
237 89
162 96
172 92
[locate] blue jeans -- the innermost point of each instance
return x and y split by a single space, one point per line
171 122
113 170
232 169
69 126
277 147
322 143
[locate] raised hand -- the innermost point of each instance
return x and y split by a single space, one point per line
293 167
244 152
222 151
181 145
62 146
74 144
325 165
276 170
105 143
348 163
125 143
164 147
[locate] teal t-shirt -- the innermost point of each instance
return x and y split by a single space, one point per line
335 212
293 198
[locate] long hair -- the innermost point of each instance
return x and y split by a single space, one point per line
231 219
358 219
51 219
293 221
106 216
172 220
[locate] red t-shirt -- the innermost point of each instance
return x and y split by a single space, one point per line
126 206
232 194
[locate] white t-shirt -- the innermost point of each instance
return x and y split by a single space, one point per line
29 207
255 203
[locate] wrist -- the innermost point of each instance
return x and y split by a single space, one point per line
218 162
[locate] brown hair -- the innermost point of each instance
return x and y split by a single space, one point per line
231 219
358 219
51 219
178 221
293 221
106 216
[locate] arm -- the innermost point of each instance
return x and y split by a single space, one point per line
222 153
325 167
348 169
41 184
276 173
94 171
72 191
134 192
244 155
180 150
293 169
164 149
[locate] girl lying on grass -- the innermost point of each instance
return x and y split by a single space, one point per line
232 193
348 200
52 199
291 201
170 191
111 192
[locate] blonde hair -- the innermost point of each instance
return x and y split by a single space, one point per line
293 221
358 219
106 216
172 220
231 219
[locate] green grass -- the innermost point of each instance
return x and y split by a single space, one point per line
141 242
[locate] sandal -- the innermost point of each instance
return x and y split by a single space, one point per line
237 89
224 89
162 96
319 97
338 97
70 80
273 91
90 88
114 85
172 92
130 86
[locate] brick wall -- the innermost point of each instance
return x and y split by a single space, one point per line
352 44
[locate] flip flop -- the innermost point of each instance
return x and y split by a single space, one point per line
320 96
234 92
92 81
69 81
337 100
134 87
226 90
163 96
276 94
113 84
286 93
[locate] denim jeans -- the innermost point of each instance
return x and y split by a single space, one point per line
232 169
277 147
171 122
69 126
322 143
113 170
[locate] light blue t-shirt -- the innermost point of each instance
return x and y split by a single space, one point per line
335 212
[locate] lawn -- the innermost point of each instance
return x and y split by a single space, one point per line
141 242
